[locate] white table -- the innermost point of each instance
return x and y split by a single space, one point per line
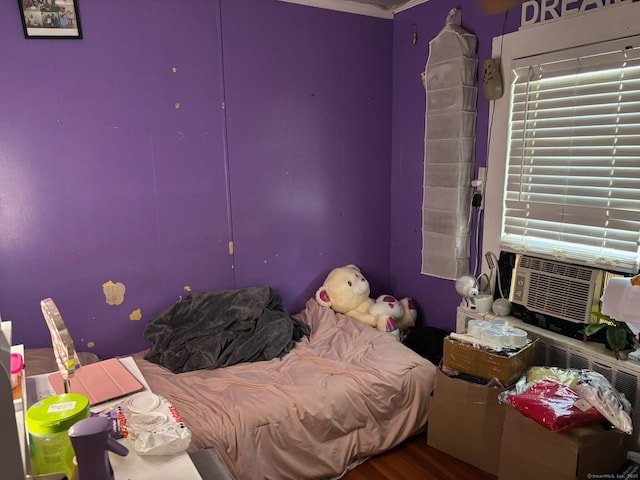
133 466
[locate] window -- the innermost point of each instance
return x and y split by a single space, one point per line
572 187
563 166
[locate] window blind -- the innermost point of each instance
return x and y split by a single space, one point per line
572 186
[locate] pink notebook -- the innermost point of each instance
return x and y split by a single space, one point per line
100 381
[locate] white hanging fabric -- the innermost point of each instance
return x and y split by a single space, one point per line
450 81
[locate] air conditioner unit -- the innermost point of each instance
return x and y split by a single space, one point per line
562 290
557 350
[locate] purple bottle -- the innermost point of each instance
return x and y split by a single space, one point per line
91 441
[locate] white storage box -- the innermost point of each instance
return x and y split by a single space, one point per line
449 150
448 175
447 199
451 125
452 99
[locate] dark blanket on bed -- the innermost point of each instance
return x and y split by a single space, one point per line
219 328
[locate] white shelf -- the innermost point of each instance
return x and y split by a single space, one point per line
19 406
12 434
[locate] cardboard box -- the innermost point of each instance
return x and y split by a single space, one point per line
465 421
466 358
531 452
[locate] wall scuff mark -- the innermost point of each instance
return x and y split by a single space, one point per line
113 292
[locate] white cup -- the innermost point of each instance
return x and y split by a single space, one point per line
516 337
495 336
483 303
474 327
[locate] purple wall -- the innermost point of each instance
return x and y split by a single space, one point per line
436 298
309 117
116 163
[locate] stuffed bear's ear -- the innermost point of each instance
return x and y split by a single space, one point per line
322 297
351 265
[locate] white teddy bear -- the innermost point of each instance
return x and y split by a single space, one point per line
347 291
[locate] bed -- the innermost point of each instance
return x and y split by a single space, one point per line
340 395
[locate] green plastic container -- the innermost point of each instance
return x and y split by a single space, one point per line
48 423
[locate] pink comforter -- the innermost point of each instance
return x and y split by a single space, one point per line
345 393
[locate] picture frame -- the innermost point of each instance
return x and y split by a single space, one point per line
50 19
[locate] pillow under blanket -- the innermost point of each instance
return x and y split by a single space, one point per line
219 328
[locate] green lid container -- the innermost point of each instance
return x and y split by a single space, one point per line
57 414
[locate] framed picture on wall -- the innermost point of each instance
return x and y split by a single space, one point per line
50 18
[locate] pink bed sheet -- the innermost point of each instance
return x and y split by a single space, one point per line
346 393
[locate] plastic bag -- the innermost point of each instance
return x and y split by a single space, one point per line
568 377
152 425
552 405
613 405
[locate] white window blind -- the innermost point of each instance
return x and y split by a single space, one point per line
572 186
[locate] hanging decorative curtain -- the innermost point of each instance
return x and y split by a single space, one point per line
450 81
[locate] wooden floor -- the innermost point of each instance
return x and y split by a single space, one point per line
415 460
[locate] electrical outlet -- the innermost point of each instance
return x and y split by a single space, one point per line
479 183
489 258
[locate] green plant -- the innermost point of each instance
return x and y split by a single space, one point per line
617 334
